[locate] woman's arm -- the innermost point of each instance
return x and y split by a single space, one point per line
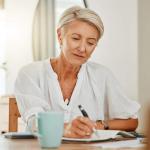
119 124
82 127
29 96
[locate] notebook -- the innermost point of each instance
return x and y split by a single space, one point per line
103 135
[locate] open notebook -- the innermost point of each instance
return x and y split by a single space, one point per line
102 135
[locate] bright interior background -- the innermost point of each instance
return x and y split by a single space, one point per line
124 47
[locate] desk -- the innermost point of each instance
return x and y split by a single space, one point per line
32 144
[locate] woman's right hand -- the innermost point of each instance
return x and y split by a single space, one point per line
80 127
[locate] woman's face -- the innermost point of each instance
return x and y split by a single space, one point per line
78 40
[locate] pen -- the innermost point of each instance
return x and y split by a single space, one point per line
84 113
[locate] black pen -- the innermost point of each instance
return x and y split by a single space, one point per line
84 113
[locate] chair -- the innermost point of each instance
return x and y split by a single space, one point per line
13 115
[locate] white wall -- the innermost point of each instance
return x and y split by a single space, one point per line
144 58
118 47
19 15
125 47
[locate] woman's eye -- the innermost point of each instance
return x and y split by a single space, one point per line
74 38
90 43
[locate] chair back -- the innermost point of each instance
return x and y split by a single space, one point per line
13 115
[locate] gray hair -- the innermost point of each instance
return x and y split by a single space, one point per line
83 14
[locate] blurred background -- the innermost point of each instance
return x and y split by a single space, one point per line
28 33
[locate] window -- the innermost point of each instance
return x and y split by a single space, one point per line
2 53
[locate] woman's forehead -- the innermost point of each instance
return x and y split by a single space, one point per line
78 22
79 26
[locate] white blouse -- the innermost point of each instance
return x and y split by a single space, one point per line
37 89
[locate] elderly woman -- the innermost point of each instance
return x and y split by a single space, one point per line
69 80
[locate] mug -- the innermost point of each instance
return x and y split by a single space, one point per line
50 127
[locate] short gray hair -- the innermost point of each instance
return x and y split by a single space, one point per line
83 14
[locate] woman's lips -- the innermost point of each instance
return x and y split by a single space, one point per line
79 55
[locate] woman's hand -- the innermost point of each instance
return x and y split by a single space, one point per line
80 127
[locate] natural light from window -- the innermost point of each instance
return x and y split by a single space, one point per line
2 52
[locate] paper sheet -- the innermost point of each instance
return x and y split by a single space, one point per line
101 135
121 144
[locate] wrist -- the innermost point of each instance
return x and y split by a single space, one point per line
102 124
99 125
105 123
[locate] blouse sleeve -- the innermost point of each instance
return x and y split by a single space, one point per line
29 97
119 105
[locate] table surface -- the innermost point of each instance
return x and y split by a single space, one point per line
32 144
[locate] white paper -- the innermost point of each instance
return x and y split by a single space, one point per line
120 144
101 135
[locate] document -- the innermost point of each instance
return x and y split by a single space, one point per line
134 143
102 135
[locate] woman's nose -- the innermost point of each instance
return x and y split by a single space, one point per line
82 47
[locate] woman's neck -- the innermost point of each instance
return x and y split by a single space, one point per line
64 69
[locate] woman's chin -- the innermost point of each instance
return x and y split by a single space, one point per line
77 62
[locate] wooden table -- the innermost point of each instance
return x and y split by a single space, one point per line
32 144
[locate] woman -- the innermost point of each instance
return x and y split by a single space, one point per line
69 80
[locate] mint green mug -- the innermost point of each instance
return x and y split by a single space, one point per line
50 127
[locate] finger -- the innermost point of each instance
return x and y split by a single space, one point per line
78 124
81 127
72 132
80 133
85 128
87 122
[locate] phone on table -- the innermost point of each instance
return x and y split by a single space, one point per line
19 135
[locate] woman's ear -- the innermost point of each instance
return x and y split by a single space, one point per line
59 35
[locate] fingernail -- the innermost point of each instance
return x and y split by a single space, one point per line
87 133
94 129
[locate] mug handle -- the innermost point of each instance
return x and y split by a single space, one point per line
32 126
